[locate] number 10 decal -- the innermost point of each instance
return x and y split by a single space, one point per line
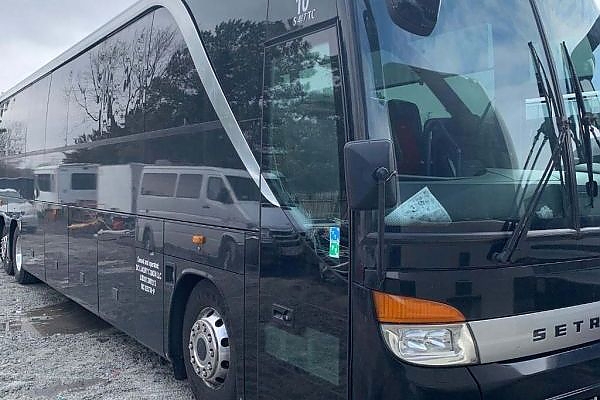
304 12
302 6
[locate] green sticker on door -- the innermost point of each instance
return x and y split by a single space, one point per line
334 242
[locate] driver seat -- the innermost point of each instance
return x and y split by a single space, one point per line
407 134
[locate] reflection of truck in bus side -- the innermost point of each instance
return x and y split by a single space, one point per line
211 196
118 187
73 184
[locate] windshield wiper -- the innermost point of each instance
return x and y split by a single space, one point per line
545 129
585 119
522 226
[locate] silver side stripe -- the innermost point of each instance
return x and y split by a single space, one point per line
526 335
207 76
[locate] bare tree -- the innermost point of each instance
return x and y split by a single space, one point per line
119 72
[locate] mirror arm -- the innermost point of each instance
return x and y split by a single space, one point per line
381 175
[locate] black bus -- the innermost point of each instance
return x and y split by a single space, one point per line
321 199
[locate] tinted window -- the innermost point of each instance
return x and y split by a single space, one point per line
174 96
159 184
12 136
44 182
35 106
189 186
217 191
61 93
105 87
137 97
304 129
83 181
233 37
24 119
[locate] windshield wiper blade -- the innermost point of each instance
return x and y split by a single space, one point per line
585 119
541 77
522 226
546 129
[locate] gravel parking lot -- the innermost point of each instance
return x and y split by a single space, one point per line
51 348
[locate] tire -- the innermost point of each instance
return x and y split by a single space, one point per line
5 255
16 259
206 313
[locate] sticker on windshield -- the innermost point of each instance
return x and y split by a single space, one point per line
422 207
334 242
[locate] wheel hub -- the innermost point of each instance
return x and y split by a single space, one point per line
209 348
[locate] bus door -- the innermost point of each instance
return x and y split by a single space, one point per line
303 295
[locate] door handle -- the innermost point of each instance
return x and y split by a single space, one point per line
205 206
282 314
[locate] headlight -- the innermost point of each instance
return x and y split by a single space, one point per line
424 332
434 345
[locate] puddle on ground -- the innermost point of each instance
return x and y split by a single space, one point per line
63 318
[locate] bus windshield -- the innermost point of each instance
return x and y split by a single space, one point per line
467 109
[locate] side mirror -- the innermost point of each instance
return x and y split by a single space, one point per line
415 16
363 159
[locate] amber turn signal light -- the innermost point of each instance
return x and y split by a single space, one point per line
407 310
198 240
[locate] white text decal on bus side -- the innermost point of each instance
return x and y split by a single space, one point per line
149 274
305 13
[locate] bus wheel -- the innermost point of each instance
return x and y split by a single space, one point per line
21 276
4 255
208 356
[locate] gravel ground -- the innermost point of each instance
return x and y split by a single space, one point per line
44 356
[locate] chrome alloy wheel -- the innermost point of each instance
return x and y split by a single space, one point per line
18 256
209 348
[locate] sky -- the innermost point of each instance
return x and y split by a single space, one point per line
33 32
